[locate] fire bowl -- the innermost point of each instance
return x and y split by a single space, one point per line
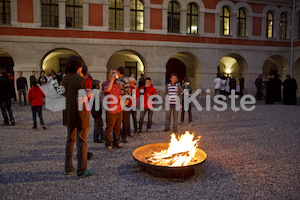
181 172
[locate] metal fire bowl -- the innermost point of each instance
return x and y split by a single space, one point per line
140 154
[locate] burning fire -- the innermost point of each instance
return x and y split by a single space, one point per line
180 152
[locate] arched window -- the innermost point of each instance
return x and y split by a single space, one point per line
225 21
136 15
5 12
270 24
116 14
173 17
283 26
192 18
241 22
49 13
74 13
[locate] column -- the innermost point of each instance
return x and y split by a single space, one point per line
62 13
126 16
37 12
233 24
183 21
14 11
201 21
276 33
158 76
85 14
146 17
165 20
105 14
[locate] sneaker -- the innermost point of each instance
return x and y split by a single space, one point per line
34 127
98 141
109 148
181 123
5 124
118 146
88 172
70 172
167 130
124 141
12 122
90 155
148 129
44 127
191 123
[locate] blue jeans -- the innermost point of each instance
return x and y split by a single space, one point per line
38 110
6 106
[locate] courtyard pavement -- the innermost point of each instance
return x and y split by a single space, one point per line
251 155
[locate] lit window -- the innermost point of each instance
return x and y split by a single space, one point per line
74 13
283 26
49 13
4 12
115 14
270 25
225 21
241 22
192 18
136 15
173 17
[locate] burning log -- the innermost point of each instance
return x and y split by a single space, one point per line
169 160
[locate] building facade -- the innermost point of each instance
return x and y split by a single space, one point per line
193 38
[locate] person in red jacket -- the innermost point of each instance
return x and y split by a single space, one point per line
147 90
35 98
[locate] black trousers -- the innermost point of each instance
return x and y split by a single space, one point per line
189 112
126 124
113 124
6 107
98 129
142 115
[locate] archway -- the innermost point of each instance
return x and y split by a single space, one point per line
56 59
185 64
276 65
175 66
132 61
6 61
234 65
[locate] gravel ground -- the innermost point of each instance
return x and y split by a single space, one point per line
251 155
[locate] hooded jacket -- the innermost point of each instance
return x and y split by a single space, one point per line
35 96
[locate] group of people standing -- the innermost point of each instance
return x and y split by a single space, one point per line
224 84
271 88
117 117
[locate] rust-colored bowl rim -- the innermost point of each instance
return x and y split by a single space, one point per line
141 153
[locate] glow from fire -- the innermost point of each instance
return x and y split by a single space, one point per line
180 152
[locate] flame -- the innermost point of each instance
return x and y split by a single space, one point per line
180 152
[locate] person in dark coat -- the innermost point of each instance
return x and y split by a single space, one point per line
6 93
289 91
76 121
295 88
242 85
232 84
259 87
278 84
270 90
